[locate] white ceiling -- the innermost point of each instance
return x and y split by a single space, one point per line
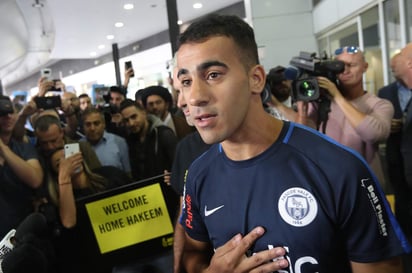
32 37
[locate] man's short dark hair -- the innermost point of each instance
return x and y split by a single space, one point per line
224 25
117 89
83 96
90 111
43 123
127 103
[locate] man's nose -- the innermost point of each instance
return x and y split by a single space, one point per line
198 94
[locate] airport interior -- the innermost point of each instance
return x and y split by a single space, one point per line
87 44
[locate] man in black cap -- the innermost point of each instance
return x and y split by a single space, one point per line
157 100
20 171
280 87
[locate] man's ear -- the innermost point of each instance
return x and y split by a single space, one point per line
257 79
365 67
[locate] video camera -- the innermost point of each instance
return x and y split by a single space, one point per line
305 86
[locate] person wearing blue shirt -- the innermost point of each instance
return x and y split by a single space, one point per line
111 149
271 195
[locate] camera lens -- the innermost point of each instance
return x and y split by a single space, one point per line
307 89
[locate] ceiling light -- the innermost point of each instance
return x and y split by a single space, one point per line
110 37
179 22
101 46
118 24
128 6
93 53
197 5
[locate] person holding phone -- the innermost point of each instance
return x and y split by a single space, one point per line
41 103
128 73
70 178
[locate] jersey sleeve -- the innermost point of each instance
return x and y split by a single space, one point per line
191 218
365 218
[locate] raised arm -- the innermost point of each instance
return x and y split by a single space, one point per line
29 171
67 205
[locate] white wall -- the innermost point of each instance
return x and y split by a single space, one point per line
282 29
329 12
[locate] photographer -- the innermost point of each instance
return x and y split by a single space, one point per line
357 119
35 107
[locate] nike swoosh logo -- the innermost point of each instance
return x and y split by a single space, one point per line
210 212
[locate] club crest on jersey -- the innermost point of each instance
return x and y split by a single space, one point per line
297 207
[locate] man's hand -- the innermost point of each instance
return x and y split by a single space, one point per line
127 75
44 86
231 256
325 83
29 109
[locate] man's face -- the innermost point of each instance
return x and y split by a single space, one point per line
116 98
72 99
134 119
282 90
355 66
403 62
216 87
85 103
157 106
50 139
94 126
181 103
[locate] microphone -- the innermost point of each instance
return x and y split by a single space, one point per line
292 73
32 249
35 224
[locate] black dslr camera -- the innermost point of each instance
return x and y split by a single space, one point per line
305 86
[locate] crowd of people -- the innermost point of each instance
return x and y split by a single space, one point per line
264 186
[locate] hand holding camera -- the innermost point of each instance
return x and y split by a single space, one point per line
328 85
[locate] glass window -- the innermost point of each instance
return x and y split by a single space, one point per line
408 7
345 37
393 29
372 49
323 47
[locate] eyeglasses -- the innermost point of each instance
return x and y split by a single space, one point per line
347 49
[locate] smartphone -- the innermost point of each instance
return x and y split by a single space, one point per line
128 65
46 72
54 88
71 149
48 102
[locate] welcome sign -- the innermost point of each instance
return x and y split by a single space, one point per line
129 218
127 223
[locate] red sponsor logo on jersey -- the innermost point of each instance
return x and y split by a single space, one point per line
189 214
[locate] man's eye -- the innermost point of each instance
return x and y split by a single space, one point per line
185 83
213 75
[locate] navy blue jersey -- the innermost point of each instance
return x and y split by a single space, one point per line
316 198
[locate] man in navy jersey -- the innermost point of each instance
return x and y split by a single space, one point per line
271 195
